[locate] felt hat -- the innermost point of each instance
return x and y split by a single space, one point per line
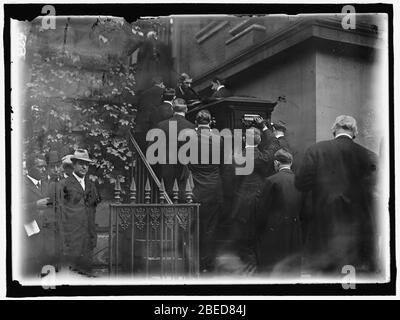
81 154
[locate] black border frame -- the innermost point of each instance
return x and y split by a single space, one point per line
30 11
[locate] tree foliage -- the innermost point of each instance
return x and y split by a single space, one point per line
69 104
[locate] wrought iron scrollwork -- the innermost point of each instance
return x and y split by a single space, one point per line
155 218
169 216
183 214
125 217
140 215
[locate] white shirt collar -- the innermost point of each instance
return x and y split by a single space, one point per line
284 167
279 135
220 86
206 126
344 134
180 113
80 180
35 182
169 102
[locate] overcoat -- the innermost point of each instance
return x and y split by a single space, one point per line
148 100
208 192
340 174
169 172
78 219
278 223
36 249
160 113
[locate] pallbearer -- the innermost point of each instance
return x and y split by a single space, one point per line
207 187
278 221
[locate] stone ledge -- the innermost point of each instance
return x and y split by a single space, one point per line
209 30
253 28
240 27
300 31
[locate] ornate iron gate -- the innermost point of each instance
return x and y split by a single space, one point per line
154 240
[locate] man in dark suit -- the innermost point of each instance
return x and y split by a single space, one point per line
340 174
172 171
164 111
184 89
218 86
148 100
279 129
278 220
246 187
207 186
52 219
78 215
34 207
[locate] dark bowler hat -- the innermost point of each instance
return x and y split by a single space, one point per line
52 157
280 125
283 156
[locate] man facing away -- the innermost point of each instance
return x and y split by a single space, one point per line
278 221
243 223
171 171
165 110
207 186
279 129
148 99
340 174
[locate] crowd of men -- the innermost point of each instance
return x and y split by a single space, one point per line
58 213
317 217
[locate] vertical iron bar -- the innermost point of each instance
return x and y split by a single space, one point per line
162 241
189 271
147 243
197 242
175 247
132 241
110 242
116 242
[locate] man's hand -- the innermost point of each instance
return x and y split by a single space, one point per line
261 122
42 202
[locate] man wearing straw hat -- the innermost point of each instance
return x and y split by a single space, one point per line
78 216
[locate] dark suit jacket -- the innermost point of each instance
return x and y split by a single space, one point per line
186 93
207 180
247 186
78 216
284 143
30 195
170 172
341 176
38 249
149 99
278 219
238 188
162 112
